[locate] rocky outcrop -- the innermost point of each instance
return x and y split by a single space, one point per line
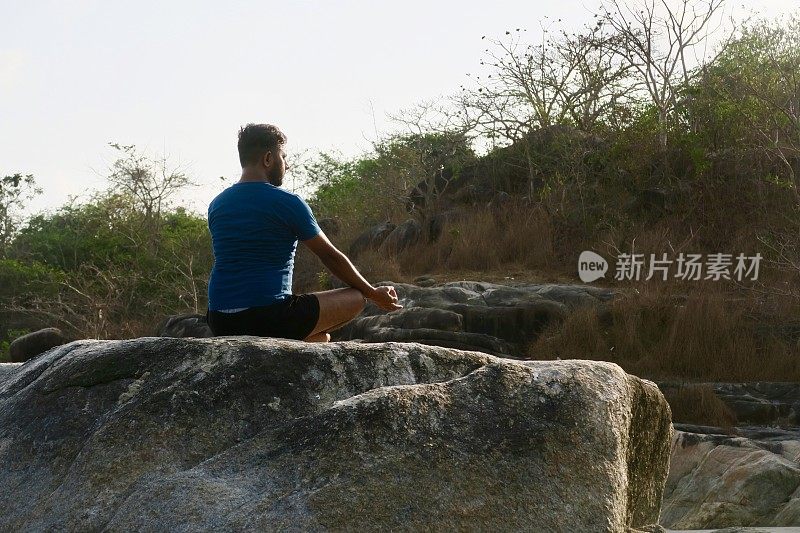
253 434
330 226
187 325
435 225
371 239
755 403
487 317
6 369
716 480
406 234
34 343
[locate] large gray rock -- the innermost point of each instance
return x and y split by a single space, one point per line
488 317
161 434
182 326
370 239
35 343
6 369
330 226
719 480
436 224
406 234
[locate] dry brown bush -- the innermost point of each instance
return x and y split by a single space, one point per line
696 403
377 266
516 235
703 334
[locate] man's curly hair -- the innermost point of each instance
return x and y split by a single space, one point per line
255 140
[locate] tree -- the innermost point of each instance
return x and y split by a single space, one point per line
747 102
15 191
376 186
149 180
661 43
572 79
567 81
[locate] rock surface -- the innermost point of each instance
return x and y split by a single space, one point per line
34 343
262 434
405 235
187 325
6 369
717 480
760 402
469 315
370 239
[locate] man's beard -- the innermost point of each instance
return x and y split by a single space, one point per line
275 176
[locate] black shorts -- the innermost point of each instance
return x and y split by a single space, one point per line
292 318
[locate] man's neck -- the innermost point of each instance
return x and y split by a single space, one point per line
253 174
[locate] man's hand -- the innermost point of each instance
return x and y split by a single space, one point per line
385 298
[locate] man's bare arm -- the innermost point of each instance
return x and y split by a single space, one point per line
342 268
338 264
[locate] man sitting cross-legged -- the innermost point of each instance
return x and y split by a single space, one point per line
255 226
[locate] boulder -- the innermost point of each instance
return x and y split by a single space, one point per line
35 343
330 226
233 434
6 369
424 281
718 480
405 235
437 223
371 239
186 325
488 317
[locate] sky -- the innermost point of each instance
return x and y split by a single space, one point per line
180 77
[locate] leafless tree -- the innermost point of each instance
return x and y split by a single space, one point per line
150 181
566 79
664 41
572 78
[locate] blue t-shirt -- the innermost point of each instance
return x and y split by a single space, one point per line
254 228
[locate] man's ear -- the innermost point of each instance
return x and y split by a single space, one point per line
267 158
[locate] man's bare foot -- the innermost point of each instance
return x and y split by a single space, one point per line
319 337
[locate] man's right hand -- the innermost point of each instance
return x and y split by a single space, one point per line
385 297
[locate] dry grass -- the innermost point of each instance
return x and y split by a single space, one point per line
703 334
518 235
697 404
376 266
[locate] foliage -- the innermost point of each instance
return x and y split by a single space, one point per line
104 267
15 190
571 136
746 106
18 278
376 187
100 230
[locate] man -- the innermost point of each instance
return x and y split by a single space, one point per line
255 226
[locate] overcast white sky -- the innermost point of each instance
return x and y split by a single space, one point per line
182 76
